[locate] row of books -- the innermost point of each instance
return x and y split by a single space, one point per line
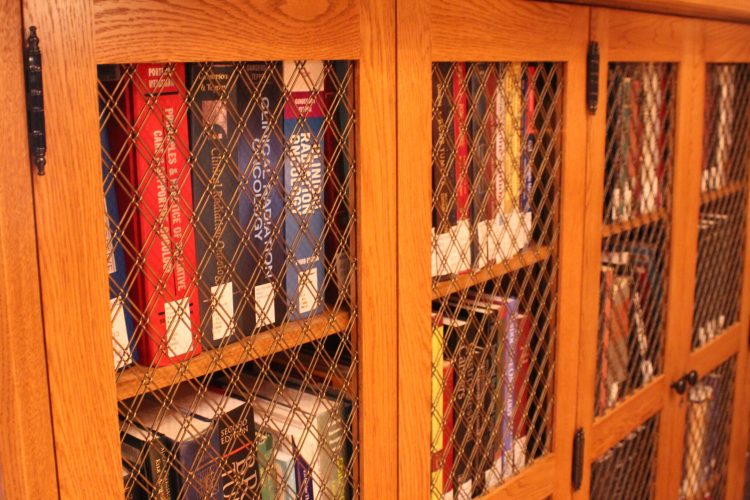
483 143
281 443
721 162
217 201
631 296
639 129
480 394
717 279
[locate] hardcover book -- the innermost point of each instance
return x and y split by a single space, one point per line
436 426
163 260
224 264
119 307
304 172
512 136
262 205
462 229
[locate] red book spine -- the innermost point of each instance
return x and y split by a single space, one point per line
460 128
491 138
523 365
606 319
160 231
447 426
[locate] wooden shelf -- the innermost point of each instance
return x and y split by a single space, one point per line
634 223
526 258
729 189
138 379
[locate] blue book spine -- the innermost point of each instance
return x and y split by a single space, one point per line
223 264
122 319
196 475
303 476
303 182
529 135
262 204
509 382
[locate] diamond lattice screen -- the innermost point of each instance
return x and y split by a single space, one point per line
496 162
230 231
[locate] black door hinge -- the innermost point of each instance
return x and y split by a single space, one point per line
35 103
578 441
592 77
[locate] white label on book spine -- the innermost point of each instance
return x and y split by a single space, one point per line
307 289
463 491
111 263
446 255
462 232
223 310
483 230
179 327
494 241
265 312
120 348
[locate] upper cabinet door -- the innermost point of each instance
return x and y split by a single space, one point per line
218 211
491 181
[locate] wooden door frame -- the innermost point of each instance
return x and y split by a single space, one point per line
460 30
80 35
26 450
633 37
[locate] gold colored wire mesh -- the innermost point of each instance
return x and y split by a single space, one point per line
230 221
723 200
628 469
496 160
707 431
639 159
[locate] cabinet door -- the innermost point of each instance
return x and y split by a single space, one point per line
28 469
325 346
713 435
491 176
635 299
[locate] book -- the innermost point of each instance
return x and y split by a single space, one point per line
162 259
649 182
233 419
262 206
119 306
270 484
521 391
223 262
484 208
448 381
275 461
446 256
304 172
529 135
147 450
512 137
462 229
185 445
133 474
320 434
607 286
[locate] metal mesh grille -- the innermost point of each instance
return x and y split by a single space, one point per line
637 191
707 430
723 199
628 469
230 226
497 141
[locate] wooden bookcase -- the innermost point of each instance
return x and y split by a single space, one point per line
60 399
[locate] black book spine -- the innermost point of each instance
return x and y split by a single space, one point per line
240 473
223 265
443 178
155 467
262 205
195 473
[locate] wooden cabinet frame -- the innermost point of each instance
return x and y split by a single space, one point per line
75 38
473 31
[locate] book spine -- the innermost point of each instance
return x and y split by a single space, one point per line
462 235
465 357
269 486
529 134
160 174
240 476
262 206
331 455
480 165
436 426
195 473
649 142
303 182
214 174
120 315
512 161
521 390
155 466
444 251
607 278
448 418
303 476
509 372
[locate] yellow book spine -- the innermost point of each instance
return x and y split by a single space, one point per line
436 427
512 124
